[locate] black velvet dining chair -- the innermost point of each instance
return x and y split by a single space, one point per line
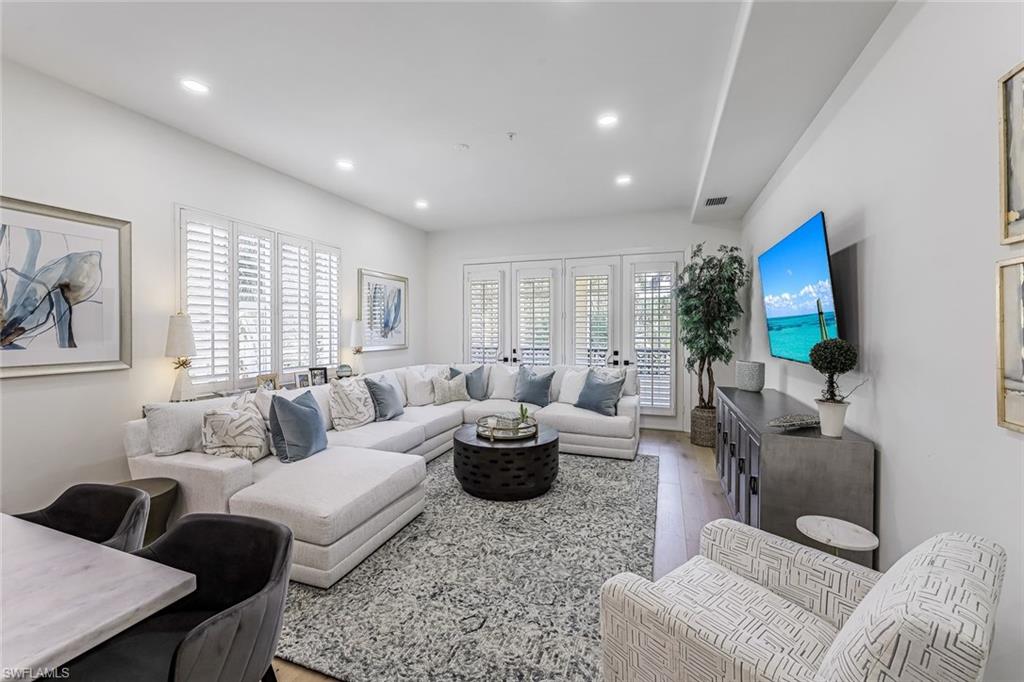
224 631
111 515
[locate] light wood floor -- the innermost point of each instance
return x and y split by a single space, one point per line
689 496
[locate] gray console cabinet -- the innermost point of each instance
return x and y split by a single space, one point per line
771 477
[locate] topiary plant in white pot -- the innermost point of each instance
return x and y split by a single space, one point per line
833 357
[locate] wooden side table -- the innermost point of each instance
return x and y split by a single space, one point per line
163 493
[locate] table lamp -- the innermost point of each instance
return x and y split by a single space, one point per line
356 344
181 345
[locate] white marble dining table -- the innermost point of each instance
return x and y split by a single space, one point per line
61 595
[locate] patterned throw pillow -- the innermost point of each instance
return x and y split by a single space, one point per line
351 404
236 432
449 390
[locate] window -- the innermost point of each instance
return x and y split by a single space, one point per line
653 334
206 256
326 306
296 309
534 321
483 317
592 309
260 301
254 250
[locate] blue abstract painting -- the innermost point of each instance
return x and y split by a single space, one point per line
383 310
59 291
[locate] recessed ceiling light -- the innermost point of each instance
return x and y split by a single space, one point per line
608 120
345 164
422 204
624 179
195 86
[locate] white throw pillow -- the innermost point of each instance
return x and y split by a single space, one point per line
178 427
236 432
503 382
419 386
351 404
449 390
572 385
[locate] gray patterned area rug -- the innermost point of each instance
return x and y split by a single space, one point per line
481 590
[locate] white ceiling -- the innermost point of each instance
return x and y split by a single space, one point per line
395 87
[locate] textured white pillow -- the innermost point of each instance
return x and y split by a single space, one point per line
449 390
572 385
418 385
178 427
503 382
351 404
235 433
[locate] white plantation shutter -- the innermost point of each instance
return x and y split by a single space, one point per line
206 290
296 304
591 313
326 305
254 267
484 317
653 332
533 322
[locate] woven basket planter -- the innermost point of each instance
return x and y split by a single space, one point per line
702 426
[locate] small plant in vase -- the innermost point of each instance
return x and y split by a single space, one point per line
833 357
524 414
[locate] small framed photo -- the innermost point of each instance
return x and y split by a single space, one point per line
269 382
318 375
302 379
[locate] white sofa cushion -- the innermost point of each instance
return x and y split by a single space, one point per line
573 380
484 408
324 497
205 482
571 419
435 419
322 395
502 383
178 427
419 387
393 435
351 404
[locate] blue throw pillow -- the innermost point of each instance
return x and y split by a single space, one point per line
599 394
533 386
476 382
296 427
386 402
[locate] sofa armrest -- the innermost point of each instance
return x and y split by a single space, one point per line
825 585
205 482
629 405
647 635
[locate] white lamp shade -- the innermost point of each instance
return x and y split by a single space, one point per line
181 343
355 339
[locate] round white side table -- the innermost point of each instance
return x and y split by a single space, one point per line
837 534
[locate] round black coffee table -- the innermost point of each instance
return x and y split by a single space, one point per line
506 469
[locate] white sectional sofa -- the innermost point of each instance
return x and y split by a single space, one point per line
346 501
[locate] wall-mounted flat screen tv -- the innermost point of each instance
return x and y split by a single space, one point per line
796 281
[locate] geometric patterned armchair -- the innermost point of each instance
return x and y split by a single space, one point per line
754 607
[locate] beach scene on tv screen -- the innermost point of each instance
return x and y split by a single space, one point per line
797 287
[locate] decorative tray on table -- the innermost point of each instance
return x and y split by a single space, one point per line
506 427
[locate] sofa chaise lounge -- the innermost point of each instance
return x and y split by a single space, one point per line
346 501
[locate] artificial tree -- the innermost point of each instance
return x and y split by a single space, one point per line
707 305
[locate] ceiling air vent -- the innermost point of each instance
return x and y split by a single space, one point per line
715 201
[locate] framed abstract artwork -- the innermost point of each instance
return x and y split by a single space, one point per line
1010 334
65 291
383 310
1011 155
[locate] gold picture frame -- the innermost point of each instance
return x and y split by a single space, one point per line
1011 156
1010 344
270 382
391 331
115 239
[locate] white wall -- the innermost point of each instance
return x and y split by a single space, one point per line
447 251
67 148
906 172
